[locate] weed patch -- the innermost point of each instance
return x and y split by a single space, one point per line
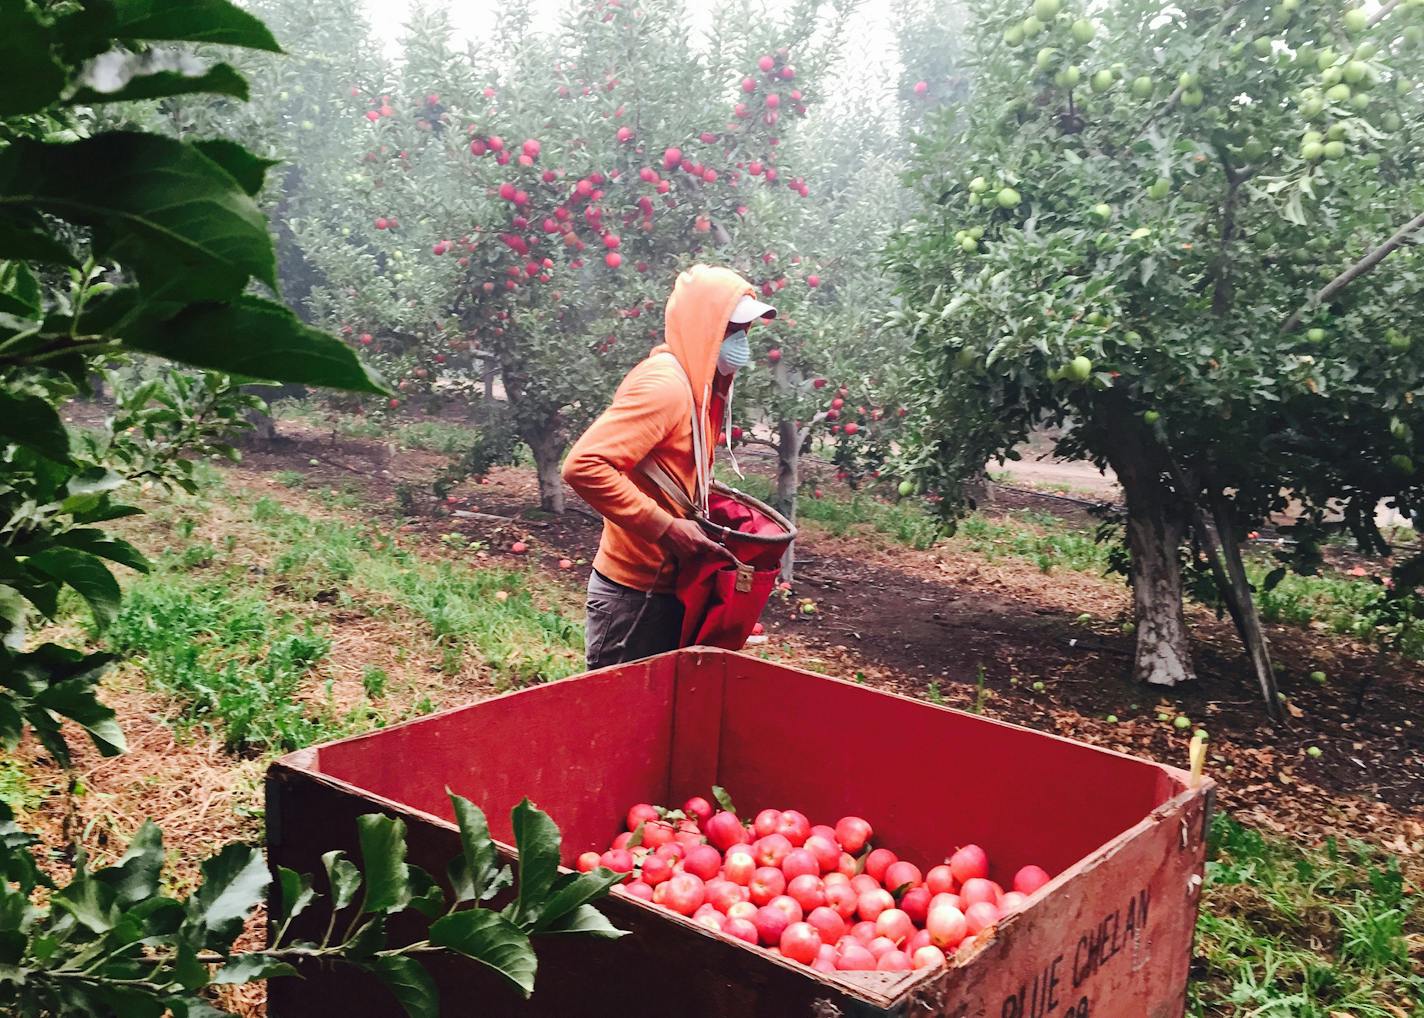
1292 933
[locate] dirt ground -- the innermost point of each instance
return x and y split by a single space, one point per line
927 622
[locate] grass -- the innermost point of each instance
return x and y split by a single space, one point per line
237 667
1348 606
234 628
1037 537
1287 932
17 790
489 612
904 522
448 437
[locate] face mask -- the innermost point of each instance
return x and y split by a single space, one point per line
736 353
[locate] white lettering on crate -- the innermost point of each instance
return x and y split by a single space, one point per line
1059 989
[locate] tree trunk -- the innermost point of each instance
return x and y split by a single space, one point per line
1236 590
788 468
262 426
548 450
1157 517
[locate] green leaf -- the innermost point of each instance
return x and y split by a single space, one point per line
21 294
96 542
29 242
570 893
86 574
220 79
194 1008
78 700
249 968
478 854
588 921
188 971
342 877
166 210
248 170
33 77
234 882
426 896
14 616
210 21
537 838
383 862
90 902
407 979
636 839
95 481
503 878
256 338
297 893
123 1002
33 422
490 938
723 799
134 878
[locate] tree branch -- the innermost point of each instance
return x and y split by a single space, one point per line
1221 292
1383 12
805 432
1171 101
753 440
1355 271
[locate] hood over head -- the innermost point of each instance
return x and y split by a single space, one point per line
696 320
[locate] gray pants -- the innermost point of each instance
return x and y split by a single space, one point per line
616 632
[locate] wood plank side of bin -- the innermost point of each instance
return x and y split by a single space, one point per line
1110 937
670 727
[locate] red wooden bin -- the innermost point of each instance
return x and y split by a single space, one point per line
1110 937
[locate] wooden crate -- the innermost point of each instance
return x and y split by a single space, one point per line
1109 938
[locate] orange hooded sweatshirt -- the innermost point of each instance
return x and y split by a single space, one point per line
651 416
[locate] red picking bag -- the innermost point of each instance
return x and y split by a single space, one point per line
721 602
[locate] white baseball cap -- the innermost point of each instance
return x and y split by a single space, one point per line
749 309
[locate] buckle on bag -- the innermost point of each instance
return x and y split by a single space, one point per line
745 574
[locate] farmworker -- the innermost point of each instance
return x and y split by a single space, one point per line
667 413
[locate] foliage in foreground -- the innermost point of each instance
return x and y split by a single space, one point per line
1292 933
97 265
111 944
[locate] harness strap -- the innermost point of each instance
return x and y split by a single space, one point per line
701 454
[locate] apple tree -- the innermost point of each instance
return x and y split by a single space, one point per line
523 206
1189 232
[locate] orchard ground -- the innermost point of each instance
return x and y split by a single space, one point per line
386 604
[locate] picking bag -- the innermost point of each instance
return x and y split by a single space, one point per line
721 602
